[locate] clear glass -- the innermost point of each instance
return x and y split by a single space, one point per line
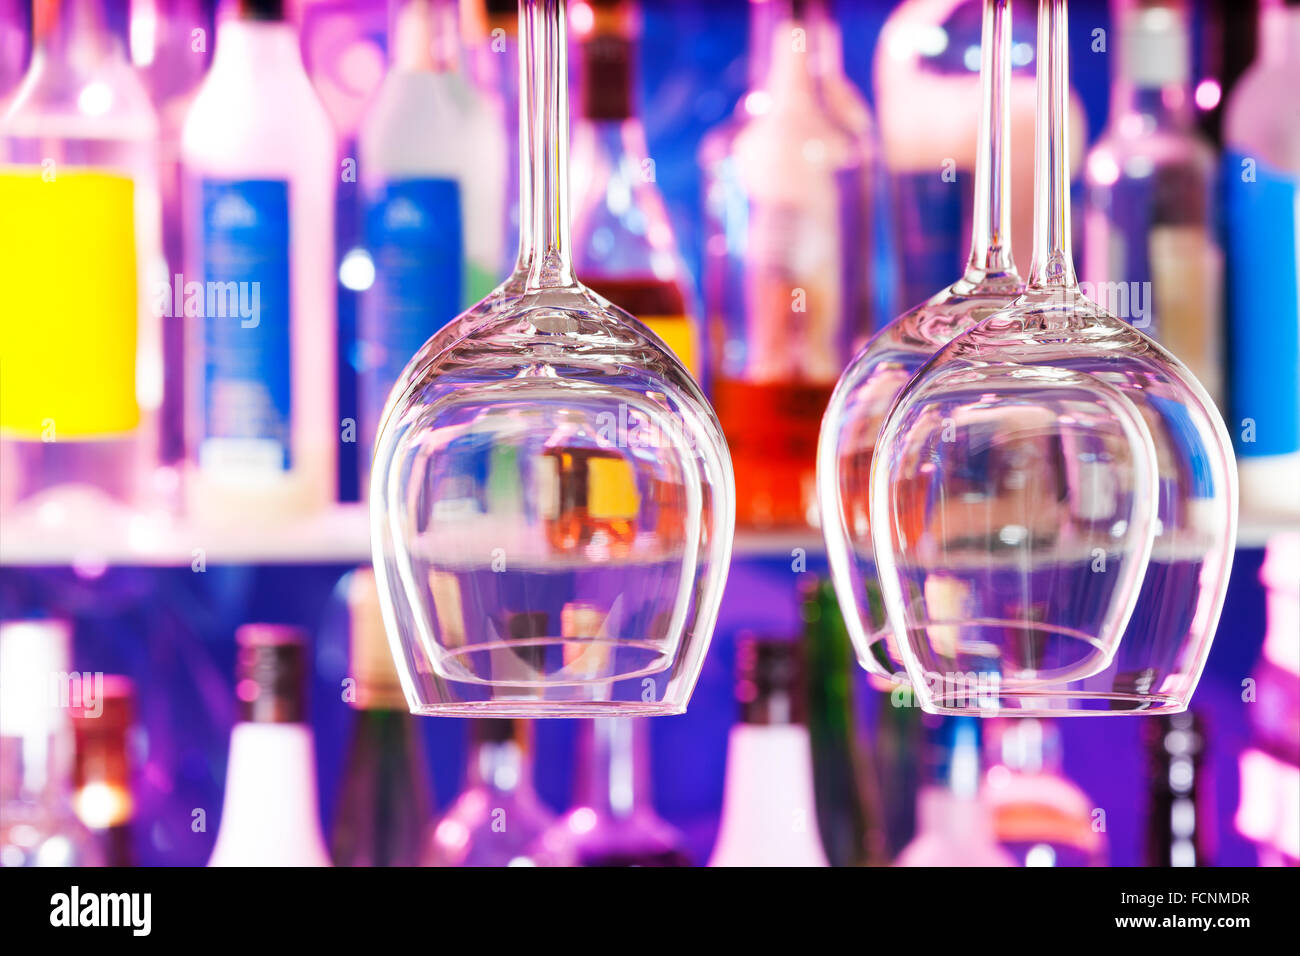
79 168
623 241
789 190
1151 252
614 822
552 502
1053 501
498 817
878 373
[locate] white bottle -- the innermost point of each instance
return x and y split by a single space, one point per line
258 161
769 814
269 815
432 151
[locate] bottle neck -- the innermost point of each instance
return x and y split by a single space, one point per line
1152 87
608 68
503 766
1279 34
241 42
423 36
796 66
990 262
1052 268
545 89
614 766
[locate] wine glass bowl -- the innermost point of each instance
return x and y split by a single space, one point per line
1054 511
549 502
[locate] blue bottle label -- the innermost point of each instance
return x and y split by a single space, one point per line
415 236
247 404
1261 216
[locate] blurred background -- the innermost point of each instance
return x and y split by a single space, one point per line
146 591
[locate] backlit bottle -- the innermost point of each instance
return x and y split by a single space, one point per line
769 807
80 263
269 815
623 240
1151 253
104 798
788 265
258 289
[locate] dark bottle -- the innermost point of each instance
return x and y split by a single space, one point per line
1179 821
614 822
844 782
103 797
384 806
623 240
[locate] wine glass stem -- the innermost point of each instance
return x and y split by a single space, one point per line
527 150
1053 262
546 69
990 252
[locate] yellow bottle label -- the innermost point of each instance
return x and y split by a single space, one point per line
68 317
611 489
678 334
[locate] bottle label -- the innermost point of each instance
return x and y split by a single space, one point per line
1262 215
247 363
415 236
69 325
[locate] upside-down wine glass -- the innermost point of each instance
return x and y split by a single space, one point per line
872 381
1032 470
552 502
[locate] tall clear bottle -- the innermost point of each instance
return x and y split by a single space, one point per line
498 817
432 175
79 338
613 822
1151 253
1262 213
259 287
38 826
269 815
788 263
623 245
769 807
384 805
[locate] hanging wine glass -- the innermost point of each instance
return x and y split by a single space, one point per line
1032 471
552 503
872 381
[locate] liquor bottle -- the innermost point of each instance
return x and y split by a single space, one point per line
38 826
623 241
269 814
769 810
1040 816
384 806
1150 247
14 46
788 265
613 822
78 173
926 72
103 798
259 285
1180 822
432 173
899 745
848 801
1262 213
170 46
954 825
498 817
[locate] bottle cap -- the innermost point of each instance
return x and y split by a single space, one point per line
271 674
34 656
769 680
371 661
267 10
1155 46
